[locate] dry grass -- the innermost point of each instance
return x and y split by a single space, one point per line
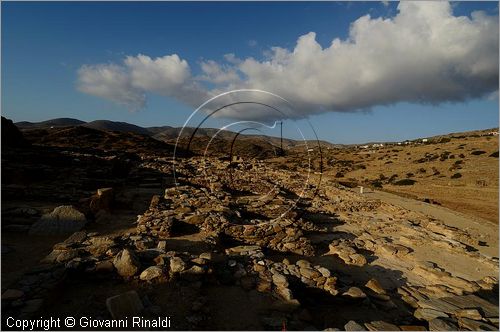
433 167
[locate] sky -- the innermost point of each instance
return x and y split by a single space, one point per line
352 71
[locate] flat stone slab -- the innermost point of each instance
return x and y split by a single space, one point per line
473 301
475 325
124 305
412 328
380 325
354 326
428 314
438 304
439 324
242 250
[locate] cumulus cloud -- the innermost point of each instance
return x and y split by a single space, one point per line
424 54
127 83
218 74
110 82
161 74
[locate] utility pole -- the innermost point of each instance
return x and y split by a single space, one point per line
281 136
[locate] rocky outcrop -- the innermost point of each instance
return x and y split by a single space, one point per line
11 136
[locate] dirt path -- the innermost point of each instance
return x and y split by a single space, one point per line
479 228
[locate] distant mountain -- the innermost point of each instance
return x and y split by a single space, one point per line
107 125
156 130
59 122
171 133
168 134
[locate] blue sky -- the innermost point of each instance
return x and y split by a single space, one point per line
45 44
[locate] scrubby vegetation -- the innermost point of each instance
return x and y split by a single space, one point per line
405 182
478 152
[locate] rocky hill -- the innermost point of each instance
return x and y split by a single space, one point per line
85 138
107 125
59 122
259 146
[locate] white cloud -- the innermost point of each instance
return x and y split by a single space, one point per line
162 74
110 82
424 54
218 74
128 83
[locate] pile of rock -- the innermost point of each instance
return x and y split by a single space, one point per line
63 219
282 235
347 253
156 222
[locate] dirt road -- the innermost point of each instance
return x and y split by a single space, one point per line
481 229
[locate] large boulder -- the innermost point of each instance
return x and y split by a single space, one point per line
177 265
126 263
64 219
151 273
